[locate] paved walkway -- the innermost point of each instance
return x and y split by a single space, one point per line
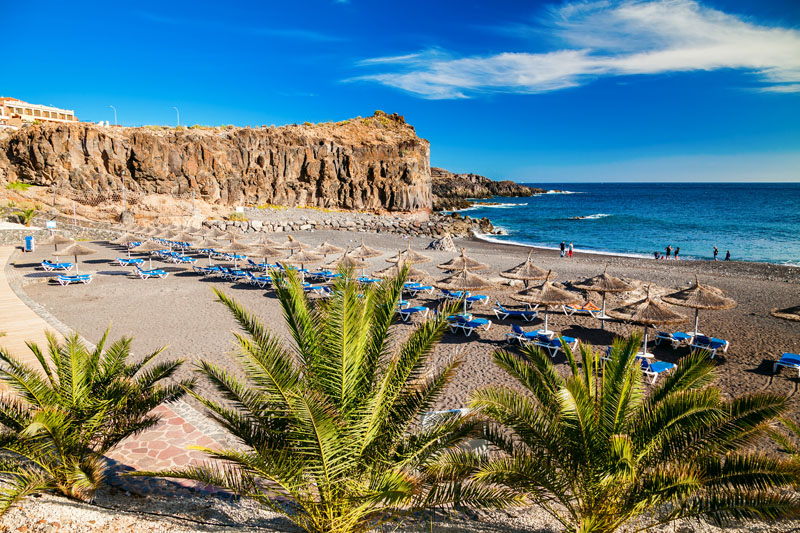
165 446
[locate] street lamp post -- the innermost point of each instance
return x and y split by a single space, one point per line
179 115
115 114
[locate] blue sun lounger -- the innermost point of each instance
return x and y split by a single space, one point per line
552 345
503 313
121 261
652 369
710 344
407 312
468 326
64 279
154 273
789 360
414 288
521 336
675 339
49 266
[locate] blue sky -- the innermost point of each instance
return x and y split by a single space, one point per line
656 90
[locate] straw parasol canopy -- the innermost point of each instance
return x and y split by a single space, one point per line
149 247
57 239
184 236
75 250
463 280
166 234
126 240
790 313
348 261
291 244
301 257
362 251
547 295
326 248
266 251
393 270
525 271
700 297
236 248
462 262
603 283
409 256
206 244
217 233
647 312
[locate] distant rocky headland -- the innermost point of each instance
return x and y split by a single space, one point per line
451 191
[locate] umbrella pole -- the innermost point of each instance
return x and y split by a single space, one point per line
129 251
603 313
77 270
696 320
546 314
644 345
150 259
209 257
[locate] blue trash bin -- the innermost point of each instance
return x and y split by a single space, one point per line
29 243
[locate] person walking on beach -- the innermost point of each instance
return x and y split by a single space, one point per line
716 253
728 255
563 248
571 249
669 251
655 254
677 251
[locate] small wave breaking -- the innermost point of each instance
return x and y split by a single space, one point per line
563 192
590 217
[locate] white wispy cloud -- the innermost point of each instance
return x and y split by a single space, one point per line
607 39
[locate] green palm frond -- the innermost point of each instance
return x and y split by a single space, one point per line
329 421
597 450
60 425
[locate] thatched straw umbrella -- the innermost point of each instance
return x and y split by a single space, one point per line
126 240
206 244
362 251
326 248
463 281
236 248
301 257
266 251
790 313
149 247
603 283
462 262
547 295
57 239
348 261
647 312
75 250
409 256
392 271
218 234
525 271
700 297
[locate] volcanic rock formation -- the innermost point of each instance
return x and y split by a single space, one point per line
376 163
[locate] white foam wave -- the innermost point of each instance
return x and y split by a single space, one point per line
491 238
499 206
563 192
591 217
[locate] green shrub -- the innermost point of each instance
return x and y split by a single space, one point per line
72 409
237 216
25 216
18 186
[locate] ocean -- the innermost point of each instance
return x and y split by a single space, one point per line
755 221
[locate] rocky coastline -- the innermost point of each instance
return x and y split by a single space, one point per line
452 191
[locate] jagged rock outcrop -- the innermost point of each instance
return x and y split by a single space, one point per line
450 191
376 163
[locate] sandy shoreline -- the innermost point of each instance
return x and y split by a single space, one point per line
180 311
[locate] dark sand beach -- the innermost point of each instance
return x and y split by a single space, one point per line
180 311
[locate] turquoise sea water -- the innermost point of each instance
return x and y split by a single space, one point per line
756 222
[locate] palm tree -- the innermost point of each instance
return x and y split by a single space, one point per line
327 421
596 451
73 409
26 215
789 439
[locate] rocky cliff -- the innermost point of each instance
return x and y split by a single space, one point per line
450 191
376 163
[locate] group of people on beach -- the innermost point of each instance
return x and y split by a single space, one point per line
566 251
669 253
